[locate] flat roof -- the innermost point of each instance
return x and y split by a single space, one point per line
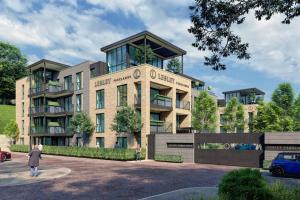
159 45
246 91
191 78
50 65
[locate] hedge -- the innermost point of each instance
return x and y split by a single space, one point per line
85 152
169 158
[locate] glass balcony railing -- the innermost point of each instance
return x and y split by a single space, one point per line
52 87
49 130
183 105
157 126
161 100
51 110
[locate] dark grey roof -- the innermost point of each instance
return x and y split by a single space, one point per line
246 91
191 78
47 61
159 45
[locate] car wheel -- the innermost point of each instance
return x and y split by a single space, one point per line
278 171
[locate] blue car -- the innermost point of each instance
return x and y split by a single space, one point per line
286 164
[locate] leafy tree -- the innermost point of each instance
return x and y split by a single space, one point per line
12 67
174 65
233 117
11 130
140 54
81 124
204 113
240 119
127 120
212 23
283 97
296 114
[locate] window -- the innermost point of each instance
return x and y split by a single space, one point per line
100 142
22 141
23 92
222 130
78 81
22 133
78 102
116 59
122 95
68 82
100 99
122 142
68 104
100 123
93 72
23 109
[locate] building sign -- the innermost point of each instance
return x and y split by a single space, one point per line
137 74
166 78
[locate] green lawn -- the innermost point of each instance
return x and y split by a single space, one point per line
7 113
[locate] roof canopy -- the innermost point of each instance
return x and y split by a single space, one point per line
246 91
49 65
160 46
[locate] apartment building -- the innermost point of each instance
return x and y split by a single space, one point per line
54 92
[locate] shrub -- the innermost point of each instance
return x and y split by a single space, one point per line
169 158
244 184
280 192
87 152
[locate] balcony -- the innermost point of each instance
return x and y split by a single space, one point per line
51 111
161 103
50 131
183 105
52 89
157 126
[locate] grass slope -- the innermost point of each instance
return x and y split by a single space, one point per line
7 112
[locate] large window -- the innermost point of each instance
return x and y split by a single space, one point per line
122 142
100 142
122 95
100 99
79 81
100 123
78 102
68 82
68 104
116 59
23 109
23 92
22 133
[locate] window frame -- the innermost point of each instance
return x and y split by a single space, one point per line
122 95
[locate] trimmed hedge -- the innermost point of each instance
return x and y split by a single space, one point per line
169 158
85 152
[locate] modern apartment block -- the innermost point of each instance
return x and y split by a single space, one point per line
54 92
249 98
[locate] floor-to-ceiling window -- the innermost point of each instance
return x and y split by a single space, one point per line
100 99
100 123
68 82
79 81
122 142
122 95
116 59
100 142
78 103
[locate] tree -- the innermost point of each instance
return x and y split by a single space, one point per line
11 130
174 65
140 54
12 67
240 119
296 114
204 113
212 23
81 124
283 97
234 117
127 120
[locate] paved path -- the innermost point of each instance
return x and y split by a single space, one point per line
102 179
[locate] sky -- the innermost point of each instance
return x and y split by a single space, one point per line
72 31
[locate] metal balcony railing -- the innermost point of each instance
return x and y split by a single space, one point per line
49 130
160 127
183 105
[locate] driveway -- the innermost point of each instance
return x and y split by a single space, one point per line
102 179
